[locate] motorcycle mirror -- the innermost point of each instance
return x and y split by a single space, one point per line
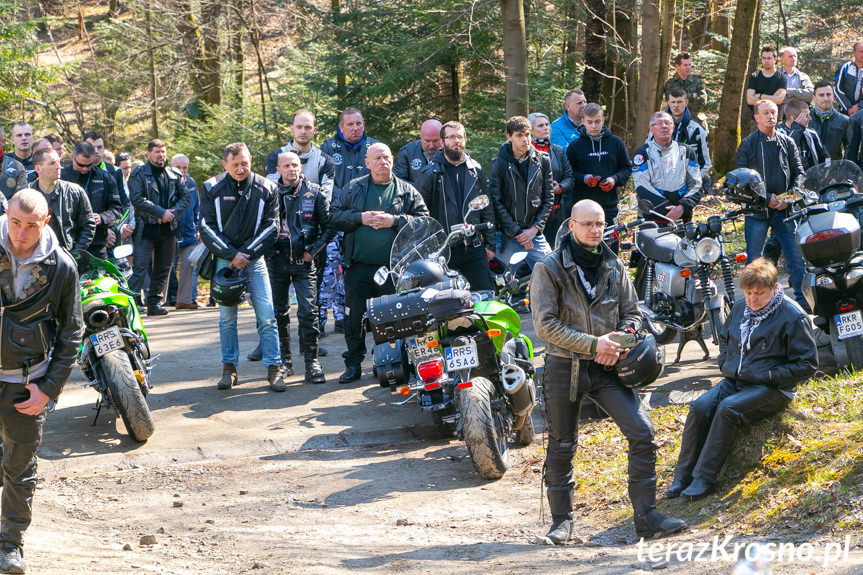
645 205
517 257
123 251
382 275
478 203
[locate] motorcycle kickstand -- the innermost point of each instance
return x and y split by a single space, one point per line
694 335
98 411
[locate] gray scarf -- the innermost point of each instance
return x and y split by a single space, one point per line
752 319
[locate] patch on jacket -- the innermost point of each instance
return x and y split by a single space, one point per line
229 198
337 159
638 159
416 164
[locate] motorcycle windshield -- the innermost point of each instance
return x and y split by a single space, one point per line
833 172
418 240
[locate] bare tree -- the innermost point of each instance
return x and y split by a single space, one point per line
594 49
514 57
648 80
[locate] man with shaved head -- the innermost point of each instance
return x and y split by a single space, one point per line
582 299
413 157
370 211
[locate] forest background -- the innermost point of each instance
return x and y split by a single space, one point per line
202 73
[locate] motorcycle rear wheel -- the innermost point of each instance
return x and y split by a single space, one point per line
124 392
846 352
483 429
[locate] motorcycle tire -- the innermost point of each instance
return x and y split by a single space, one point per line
524 436
720 315
125 395
846 352
483 430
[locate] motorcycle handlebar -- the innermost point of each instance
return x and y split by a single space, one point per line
795 217
483 226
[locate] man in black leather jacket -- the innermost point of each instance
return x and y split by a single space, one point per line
159 196
304 215
522 193
42 315
766 348
447 185
370 210
71 215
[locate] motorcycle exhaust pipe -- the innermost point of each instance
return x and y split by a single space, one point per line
99 319
520 389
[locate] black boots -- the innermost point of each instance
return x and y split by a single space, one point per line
650 523
677 486
154 309
314 371
274 378
285 350
229 376
698 489
560 504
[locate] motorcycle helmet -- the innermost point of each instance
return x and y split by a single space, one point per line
746 187
642 364
228 287
421 273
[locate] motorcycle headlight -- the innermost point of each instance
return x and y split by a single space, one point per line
825 282
708 250
852 276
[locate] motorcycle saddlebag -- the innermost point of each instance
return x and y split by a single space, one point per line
396 316
450 303
390 363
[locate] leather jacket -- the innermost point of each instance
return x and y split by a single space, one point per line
252 230
74 226
410 162
434 187
104 197
347 212
145 195
520 204
750 155
305 213
46 321
782 351
349 160
13 178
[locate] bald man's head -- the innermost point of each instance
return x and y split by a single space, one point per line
430 137
587 223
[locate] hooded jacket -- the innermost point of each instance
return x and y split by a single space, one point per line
71 215
604 157
349 159
564 131
520 204
318 167
42 322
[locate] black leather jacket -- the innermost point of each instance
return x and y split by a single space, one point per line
749 155
306 213
782 350
252 230
410 162
434 187
101 188
347 213
13 178
520 204
71 215
48 320
145 196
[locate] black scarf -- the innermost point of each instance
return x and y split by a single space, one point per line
589 263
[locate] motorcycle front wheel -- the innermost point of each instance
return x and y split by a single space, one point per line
483 428
115 372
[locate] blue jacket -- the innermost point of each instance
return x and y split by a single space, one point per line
563 131
189 219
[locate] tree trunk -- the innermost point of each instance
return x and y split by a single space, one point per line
341 79
718 25
455 78
570 45
726 137
698 28
154 119
666 41
514 57
237 57
210 66
648 80
620 108
594 49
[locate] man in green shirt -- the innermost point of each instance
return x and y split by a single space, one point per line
370 210
684 78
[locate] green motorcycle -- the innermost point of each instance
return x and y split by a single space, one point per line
473 367
114 354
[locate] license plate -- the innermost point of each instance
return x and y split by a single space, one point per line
106 341
461 357
849 324
418 351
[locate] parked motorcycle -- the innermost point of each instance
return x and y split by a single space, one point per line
828 234
672 278
474 369
114 354
512 281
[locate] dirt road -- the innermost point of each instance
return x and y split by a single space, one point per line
320 479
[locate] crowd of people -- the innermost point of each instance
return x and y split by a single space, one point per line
322 219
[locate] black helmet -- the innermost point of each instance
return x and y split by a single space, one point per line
642 364
421 273
228 287
746 187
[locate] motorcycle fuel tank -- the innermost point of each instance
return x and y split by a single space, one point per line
828 238
667 279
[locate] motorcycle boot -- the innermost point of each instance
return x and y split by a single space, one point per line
285 349
229 376
560 504
314 371
650 523
275 379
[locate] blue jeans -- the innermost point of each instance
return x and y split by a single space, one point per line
506 246
755 232
262 301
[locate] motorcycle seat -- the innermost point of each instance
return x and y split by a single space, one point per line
657 245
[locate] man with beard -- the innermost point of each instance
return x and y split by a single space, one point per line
448 184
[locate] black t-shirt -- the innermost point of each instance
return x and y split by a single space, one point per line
764 85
